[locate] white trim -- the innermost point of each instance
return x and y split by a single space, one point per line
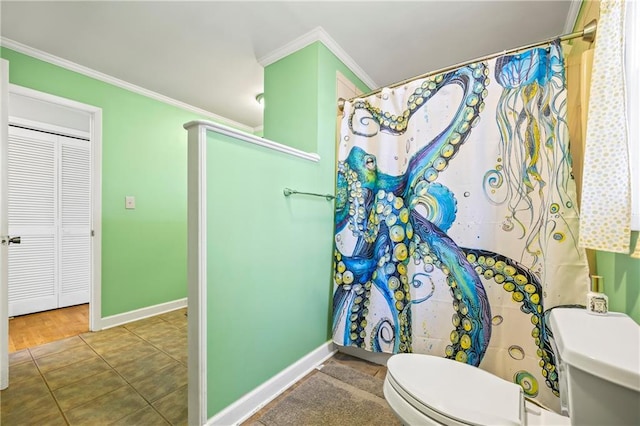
142 313
53 99
253 401
4 255
247 137
318 34
95 304
197 272
95 138
72 66
572 16
37 125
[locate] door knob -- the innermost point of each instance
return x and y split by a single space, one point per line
10 240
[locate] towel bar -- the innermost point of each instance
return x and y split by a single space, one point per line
289 191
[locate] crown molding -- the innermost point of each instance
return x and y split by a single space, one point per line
318 34
572 16
80 69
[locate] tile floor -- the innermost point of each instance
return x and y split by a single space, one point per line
134 374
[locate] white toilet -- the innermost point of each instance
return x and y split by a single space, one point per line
598 370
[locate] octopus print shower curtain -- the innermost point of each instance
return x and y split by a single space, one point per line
456 221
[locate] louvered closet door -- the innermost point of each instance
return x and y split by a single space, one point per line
50 208
32 215
75 221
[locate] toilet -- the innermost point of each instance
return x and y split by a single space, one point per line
598 370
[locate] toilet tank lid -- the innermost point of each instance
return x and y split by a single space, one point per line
606 346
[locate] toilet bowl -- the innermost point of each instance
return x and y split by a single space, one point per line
598 371
429 390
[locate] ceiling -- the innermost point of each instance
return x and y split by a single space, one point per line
206 53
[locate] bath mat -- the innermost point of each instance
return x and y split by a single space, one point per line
327 401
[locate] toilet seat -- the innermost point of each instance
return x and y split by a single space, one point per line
451 392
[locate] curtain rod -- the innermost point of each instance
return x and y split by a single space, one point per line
588 33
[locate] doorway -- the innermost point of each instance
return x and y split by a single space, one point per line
49 204
54 156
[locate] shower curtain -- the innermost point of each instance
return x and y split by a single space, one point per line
456 221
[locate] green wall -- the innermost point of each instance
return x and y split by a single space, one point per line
291 99
300 97
269 256
621 280
144 155
269 265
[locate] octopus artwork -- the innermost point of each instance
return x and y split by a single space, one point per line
398 217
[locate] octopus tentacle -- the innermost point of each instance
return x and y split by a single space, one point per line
438 202
378 334
351 297
525 288
430 161
472 317
390 276
435 156
396 124
382 222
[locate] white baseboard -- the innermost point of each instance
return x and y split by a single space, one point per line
141 313
250 403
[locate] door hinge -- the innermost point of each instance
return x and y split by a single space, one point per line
93 233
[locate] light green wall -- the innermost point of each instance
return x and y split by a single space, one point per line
291 99
300 97
621 281
143 154
270 256
269 265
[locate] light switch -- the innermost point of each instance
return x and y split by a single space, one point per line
129 202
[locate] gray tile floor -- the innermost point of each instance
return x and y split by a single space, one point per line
134 374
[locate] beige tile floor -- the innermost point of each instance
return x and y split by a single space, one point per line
134 374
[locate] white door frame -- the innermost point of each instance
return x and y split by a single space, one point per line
95 303
4 255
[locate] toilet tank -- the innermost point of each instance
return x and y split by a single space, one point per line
598 366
